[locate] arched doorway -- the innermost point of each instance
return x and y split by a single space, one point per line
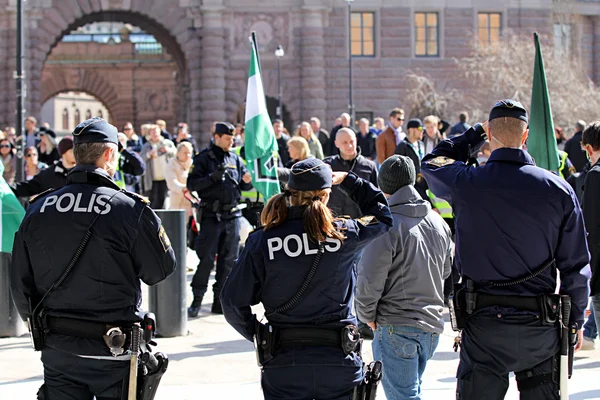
272 104
167 23
63 111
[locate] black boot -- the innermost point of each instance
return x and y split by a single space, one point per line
194 309
216 306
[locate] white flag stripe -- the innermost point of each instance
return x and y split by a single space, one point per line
255 91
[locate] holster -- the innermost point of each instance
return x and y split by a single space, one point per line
457 307
265 342
151 369
367 390
549 307
37 328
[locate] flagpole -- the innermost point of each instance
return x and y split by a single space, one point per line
255 44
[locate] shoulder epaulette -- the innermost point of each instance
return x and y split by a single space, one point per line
37 196
137 197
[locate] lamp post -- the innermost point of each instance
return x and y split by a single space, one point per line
20 86
351 94
279 53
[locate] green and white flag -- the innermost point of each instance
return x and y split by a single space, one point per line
12 214
261 146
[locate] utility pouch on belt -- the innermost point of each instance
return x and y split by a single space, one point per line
549 307
37 330
351 341
265 341
457 307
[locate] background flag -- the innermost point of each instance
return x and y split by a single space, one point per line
12 214
260 144
542 142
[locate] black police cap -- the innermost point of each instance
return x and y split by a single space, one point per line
509 108
95 130
310 174
224 128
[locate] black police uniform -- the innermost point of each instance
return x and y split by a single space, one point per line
216 176
339 202
274 265
511 219
127 243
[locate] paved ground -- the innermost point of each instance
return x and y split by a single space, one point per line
214 362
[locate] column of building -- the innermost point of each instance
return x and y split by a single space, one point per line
313 71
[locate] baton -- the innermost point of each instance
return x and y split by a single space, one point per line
133 363
565 305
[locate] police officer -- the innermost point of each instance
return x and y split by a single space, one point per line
111 239
302 246
530 229
218 176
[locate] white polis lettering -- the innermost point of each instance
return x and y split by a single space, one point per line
67 202
300 246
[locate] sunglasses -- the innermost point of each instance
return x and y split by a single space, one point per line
400 119
31 155
127 129
4 146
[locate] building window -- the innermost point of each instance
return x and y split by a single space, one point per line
490 28
562 40
65 120
77 117
426 34
88 114
100 114
363 34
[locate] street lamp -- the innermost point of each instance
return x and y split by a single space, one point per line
351 100
279 53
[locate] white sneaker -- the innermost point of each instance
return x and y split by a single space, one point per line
588 344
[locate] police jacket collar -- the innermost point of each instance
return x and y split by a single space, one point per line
511 155
91 174
295 212
219 152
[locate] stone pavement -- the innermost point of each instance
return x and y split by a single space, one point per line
214 362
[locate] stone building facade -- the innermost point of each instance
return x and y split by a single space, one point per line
207 41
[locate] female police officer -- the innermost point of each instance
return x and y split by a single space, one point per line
300 266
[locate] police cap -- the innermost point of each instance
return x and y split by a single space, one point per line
509 108
310 174
224 128
95 130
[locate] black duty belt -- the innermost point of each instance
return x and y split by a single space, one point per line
295 337
217 208
80 328
524 303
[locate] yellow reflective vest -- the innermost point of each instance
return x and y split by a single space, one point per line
441 205
252 195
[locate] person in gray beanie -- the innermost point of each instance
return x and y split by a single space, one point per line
400 282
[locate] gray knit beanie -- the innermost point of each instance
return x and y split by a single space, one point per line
395 173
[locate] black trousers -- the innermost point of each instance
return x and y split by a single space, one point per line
496 342
216 238
69 377
158 194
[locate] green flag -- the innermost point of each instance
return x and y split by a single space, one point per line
12 214
261 146
542 142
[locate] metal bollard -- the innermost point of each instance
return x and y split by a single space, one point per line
11 323
168 299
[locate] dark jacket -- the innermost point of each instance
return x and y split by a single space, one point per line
323 136
340 202
576 155
212 189
53 177
527 217
127 243
404 148
591 216
49 158
367 145
282 148
458 129
271 274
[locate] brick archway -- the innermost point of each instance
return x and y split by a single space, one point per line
90 82
172 32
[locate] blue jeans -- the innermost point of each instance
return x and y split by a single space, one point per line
590 330
404 351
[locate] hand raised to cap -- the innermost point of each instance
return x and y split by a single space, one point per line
337 177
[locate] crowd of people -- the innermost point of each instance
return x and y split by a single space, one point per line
420 229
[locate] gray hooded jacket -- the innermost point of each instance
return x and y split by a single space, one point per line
401 274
